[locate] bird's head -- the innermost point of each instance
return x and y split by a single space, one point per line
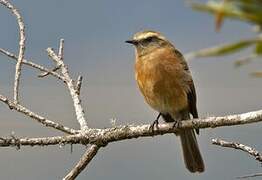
146 41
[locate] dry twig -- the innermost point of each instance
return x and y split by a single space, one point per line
31 64
21 47
80 116
33 115
250 176
83 162
47 73
239 146
79 84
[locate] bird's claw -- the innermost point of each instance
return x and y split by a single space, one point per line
177 124
155 123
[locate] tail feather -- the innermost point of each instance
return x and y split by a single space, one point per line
192 156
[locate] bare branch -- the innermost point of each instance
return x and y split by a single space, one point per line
245 60
61 49
44 141
47 73
76 100
31 64
80 166
128 132
239 146
102 137
79 84
60 55
21 46
37 117
249 176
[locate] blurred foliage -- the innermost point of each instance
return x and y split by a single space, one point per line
244 10
248 11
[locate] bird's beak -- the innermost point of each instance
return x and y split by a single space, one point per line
134 42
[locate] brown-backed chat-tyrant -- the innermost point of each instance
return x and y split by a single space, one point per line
166 83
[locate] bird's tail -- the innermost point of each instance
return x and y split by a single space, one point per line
192 156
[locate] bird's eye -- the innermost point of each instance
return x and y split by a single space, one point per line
149 39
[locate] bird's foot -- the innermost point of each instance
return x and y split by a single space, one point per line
177 124
155 123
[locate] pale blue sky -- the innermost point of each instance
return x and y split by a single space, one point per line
94 33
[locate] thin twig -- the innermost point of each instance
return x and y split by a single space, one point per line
239 146
60 55
249 176
21 47
79 84
47 73
83 162
61 49
245 60
31 64
43 141
37 117
73 92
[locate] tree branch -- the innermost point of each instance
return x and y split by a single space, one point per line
79 84
47 73
69 81
84 161
102 137
40 119
249 176
21 47
44 141
128 132
31 64
239 146
61 49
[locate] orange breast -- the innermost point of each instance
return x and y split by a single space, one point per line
160 79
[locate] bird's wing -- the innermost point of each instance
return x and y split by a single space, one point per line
191 95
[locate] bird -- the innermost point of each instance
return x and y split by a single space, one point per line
164 79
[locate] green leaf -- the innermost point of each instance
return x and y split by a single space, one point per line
223 50
250 10
258 49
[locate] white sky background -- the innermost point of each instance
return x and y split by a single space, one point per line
94 33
